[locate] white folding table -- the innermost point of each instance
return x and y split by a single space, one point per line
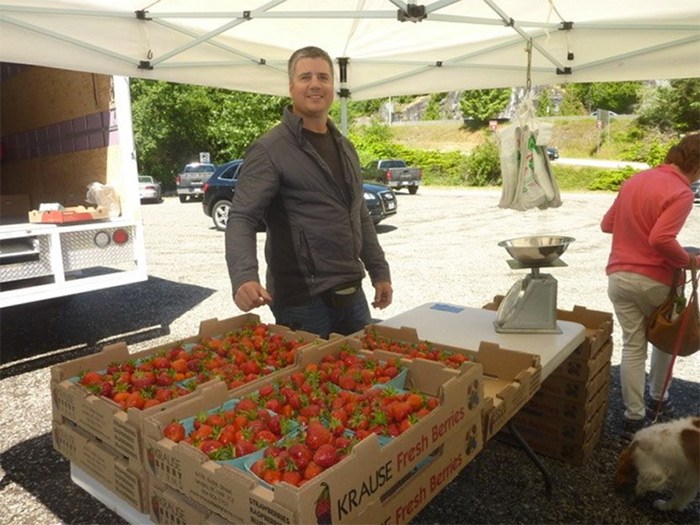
466 327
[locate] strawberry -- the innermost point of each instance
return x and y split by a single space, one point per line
264 438
244 447
91 378
165 378
346 382
203 432
142 379
300 454
210 446
317 435
107 389
326 456
400 410
246 404
215 420
160 363
292 477
312 470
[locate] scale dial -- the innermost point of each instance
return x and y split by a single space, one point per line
508 306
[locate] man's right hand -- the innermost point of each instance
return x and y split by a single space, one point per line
251 295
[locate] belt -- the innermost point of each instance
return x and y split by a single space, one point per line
347 290
340 295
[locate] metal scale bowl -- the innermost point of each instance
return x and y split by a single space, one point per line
530 306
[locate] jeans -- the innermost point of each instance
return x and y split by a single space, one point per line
317 317
634 297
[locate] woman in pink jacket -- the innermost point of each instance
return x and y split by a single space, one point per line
647 215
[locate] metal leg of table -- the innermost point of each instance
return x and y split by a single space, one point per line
534 457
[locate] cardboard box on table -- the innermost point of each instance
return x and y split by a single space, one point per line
105 419
371 472
124 476
598 326
510 377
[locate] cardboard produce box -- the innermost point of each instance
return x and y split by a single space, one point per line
510 377
418 489
168 507
545 405
580 370
571 452
69 215
598 325
554 429
574 390
104 418
372 470
399 505
124 476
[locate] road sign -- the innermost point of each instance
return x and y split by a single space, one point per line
204 157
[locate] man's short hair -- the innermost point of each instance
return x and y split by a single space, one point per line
307 52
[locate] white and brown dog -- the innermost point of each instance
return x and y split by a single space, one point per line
664 457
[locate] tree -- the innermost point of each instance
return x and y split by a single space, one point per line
484 104
544 104
674 106
174 122
571 103
620 97
685 104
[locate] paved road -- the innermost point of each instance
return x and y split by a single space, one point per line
442 246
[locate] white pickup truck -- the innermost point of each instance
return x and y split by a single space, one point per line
191 179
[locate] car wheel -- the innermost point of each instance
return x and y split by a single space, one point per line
219 214
413 190
183 198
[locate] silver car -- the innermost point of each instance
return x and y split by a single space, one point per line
149 189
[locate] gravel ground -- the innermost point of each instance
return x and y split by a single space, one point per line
442 246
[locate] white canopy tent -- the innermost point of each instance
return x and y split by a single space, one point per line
382 47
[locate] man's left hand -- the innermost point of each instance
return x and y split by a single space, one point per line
383 294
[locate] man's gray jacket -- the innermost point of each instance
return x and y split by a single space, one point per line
317 239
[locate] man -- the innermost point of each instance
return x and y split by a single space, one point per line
303 180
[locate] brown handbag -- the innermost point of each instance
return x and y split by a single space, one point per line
674 327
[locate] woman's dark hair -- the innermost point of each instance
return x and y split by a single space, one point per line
686 154
307 52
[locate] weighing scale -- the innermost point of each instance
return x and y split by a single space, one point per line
530 306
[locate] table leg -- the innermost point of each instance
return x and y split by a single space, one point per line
534 457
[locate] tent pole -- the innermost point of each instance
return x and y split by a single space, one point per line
344 115
344 94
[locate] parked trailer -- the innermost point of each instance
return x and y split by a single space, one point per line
63 132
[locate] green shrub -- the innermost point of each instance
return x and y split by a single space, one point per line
483 166
611 180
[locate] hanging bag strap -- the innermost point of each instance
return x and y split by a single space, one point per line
677 345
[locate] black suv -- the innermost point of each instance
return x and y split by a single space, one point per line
218 194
